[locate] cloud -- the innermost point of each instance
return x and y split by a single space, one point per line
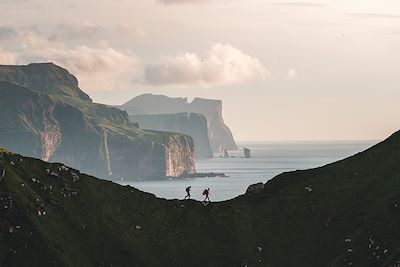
7 58
376 15
168 2
292 74
221 64
97 67
101 68
7 32
33 40
130 32
76 29
299 4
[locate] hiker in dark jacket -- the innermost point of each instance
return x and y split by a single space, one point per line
188 192
206 193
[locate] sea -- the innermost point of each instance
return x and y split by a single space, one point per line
268 159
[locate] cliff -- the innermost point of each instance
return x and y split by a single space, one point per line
342 214
192 124
94 138
220 135
45 78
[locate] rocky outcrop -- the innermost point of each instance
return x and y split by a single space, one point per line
192 124
255 189
98 139
220 135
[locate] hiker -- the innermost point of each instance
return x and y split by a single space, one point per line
206 193
188 192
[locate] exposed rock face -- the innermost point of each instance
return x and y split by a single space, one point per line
95 138
192 124
23 117
220 135
179 154
51 135
256 189
143 159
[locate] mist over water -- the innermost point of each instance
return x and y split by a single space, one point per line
268 160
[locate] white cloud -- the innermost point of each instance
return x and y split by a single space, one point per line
299 4
101 68
76 29
97 68
167 2
292 74
7 58
7 32
376 15
130 32
221 64
32 40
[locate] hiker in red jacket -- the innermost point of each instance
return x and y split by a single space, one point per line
206 193
188 192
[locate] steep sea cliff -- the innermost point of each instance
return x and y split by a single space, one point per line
192 124
44 114
219 133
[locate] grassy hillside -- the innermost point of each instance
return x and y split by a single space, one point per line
114 119
45 78
342 214
55 84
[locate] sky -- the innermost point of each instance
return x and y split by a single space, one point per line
285 70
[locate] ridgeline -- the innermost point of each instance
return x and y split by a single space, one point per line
343 214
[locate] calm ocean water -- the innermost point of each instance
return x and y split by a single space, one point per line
268 160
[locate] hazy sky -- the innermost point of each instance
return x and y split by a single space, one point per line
285 70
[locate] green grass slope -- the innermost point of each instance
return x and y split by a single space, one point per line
114 119
342 214
45 78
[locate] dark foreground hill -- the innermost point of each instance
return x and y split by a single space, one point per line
342 214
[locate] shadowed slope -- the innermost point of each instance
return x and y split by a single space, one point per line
340 214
